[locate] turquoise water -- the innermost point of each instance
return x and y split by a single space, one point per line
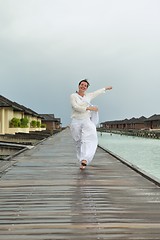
142 152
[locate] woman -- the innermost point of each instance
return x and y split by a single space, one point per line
83 130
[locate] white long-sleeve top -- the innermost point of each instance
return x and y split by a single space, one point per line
79 104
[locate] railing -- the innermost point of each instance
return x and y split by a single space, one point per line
132 132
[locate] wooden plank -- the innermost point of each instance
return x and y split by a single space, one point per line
46 196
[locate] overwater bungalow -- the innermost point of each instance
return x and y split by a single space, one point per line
151 123
15 118
138 123
51 122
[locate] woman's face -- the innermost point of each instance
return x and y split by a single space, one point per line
83 86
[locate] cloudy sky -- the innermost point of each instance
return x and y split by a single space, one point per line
48 46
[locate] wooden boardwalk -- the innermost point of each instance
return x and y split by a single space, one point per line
44 195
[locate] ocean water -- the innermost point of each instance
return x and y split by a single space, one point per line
142 152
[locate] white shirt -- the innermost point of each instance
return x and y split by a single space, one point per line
79 103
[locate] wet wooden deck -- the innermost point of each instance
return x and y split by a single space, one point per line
44 195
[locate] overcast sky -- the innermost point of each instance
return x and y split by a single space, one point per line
48 46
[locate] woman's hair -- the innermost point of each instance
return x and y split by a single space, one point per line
84 80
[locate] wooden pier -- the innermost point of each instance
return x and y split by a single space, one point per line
45 196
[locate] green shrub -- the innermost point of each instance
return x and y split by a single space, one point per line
33 123
24 122
38 124
15 122
43 125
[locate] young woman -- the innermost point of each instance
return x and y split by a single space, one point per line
83 130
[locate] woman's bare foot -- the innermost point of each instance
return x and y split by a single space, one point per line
83 164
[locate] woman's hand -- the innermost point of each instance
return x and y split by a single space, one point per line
108 88
92 108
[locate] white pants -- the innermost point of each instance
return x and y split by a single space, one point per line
85 136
